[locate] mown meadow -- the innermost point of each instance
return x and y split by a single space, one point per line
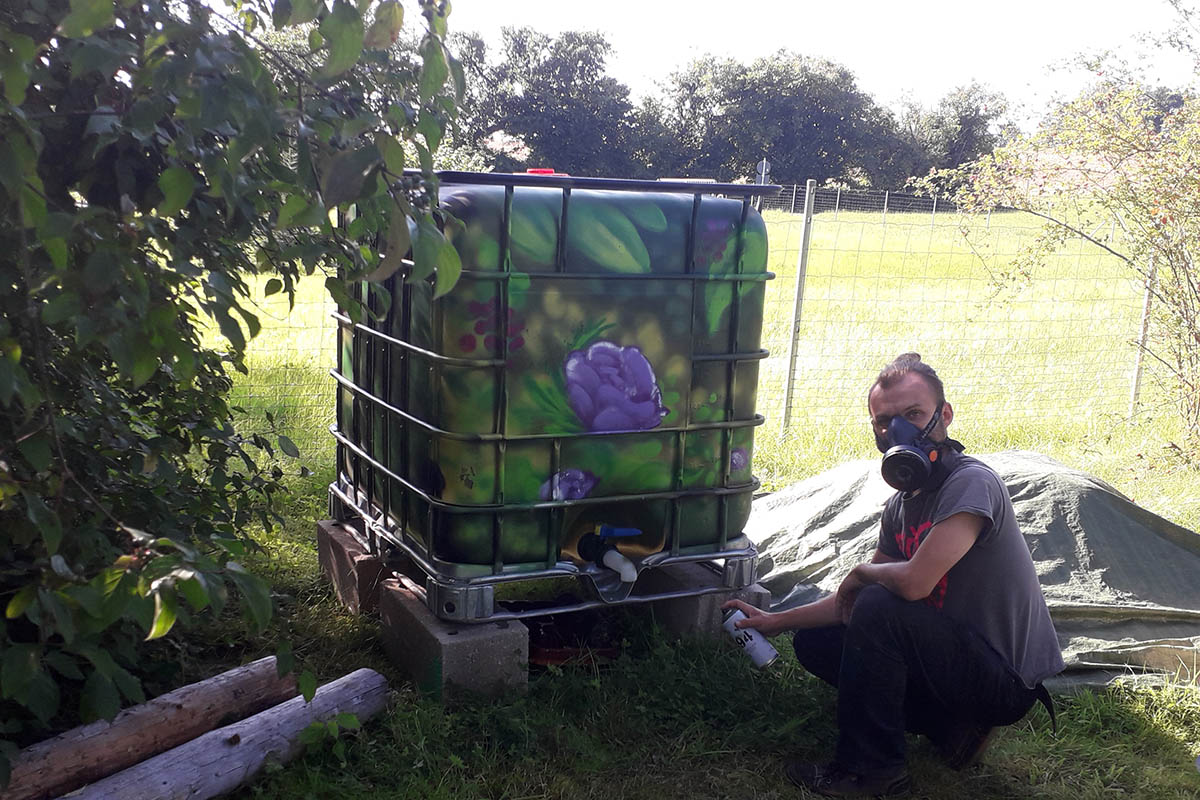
1043 364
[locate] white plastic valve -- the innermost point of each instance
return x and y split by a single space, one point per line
620 564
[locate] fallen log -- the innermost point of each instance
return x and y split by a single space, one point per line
221 760
89 752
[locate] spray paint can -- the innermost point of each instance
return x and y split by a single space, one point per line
754 643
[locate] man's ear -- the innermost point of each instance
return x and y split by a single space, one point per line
947 414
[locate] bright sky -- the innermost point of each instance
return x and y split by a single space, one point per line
921 49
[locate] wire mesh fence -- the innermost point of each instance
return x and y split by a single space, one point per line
883 273
886 273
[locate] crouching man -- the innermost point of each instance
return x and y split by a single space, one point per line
945 632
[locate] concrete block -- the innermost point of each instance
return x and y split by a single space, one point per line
451 660
354 573
699 615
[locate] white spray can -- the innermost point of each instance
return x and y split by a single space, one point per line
754 643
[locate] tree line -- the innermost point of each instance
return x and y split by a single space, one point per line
537 100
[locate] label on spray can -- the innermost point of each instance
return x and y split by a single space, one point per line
754 643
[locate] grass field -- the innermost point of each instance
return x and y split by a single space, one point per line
1045 366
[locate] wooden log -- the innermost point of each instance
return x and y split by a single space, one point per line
90 752
221 760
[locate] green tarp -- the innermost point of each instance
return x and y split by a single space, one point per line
1122 584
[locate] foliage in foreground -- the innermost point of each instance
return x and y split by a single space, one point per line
152 154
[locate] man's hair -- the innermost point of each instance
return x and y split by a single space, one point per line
903 364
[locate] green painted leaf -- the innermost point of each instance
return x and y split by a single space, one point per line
385 28
307 683
87 16
100 699
347 175
289 447
343 32
177 185
434 69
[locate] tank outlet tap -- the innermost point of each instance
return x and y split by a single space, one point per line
598 547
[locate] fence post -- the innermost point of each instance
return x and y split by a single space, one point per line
885 201
810 192
933 214
837 204
794 188
1141 342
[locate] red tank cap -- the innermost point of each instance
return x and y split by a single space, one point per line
540 171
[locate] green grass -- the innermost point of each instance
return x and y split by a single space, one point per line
1044 366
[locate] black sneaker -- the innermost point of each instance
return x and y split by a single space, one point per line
963 745
830 780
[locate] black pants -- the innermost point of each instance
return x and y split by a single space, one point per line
905 666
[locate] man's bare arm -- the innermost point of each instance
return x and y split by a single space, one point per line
914 579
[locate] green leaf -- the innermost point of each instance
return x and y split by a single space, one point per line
21 601
63 664
274 286
56 248
430 127
18 665
285 660
449 268
55 603
305 11
64 307
254 591
195 591
164 613
347 721
399 242
15 66
393 153
307 684
343 31
87 16
289 447
45 520
99 699
426 248
281 13
347 175
36 450
297 212
460 80
177 185
41 696
385 28
434 69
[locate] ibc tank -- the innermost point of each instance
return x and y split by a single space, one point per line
593 370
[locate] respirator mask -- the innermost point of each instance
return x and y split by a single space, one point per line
909 454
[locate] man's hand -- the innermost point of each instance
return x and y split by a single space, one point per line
847 593
764 622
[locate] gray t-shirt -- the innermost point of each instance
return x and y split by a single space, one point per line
994 586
